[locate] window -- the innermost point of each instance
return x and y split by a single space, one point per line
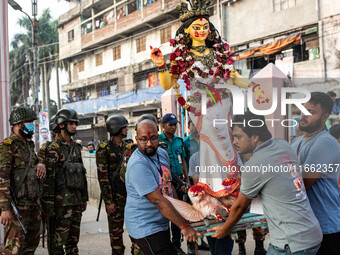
141 44
81 66
116 53
165 35
70 35
99 59
280 5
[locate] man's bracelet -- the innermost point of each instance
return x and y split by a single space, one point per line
185 226
162 69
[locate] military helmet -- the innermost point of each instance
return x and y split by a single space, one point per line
64 115
53 125
22 114
146 117
115 122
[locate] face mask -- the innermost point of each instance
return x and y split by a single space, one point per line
27 130
29 127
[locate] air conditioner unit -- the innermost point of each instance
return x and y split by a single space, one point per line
113 89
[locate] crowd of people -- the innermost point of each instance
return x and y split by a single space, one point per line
301 205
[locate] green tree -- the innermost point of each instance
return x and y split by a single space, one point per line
21 55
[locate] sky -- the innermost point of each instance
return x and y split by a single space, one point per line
57 8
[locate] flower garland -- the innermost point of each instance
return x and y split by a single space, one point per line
184 67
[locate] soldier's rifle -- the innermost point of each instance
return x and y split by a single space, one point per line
99 207
17 214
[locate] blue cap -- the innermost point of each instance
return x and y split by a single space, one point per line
169 118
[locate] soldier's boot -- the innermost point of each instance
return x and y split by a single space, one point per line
241 249
259 249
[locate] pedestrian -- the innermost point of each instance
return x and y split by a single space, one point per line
319 156
293 226
20 184
177 157
65 193
90 148
111 167
147 212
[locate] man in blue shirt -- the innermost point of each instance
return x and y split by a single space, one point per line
147 212
177 156
319 156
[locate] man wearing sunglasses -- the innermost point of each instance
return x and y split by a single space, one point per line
20 174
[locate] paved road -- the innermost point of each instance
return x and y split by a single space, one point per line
94 238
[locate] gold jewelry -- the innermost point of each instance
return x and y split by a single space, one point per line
186 38
162 69
199 8
211 36
207 60
201 49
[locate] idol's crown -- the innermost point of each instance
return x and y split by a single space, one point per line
198 8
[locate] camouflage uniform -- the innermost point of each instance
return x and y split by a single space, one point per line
65 202
12 160
42 152
107 163
258 235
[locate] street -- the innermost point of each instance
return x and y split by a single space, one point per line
94 238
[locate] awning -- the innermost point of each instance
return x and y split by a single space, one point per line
272 47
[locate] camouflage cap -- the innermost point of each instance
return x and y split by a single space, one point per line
22 114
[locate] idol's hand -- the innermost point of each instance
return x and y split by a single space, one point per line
261 97
156 56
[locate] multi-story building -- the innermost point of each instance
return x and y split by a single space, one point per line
301 36
106 45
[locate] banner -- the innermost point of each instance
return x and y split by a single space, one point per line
44 128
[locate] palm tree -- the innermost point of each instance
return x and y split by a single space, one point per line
21 57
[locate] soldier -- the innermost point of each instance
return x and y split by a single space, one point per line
65 188
111 159
20 186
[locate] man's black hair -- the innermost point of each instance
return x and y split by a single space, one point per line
43 129
252 124
324 100
335 131
331 94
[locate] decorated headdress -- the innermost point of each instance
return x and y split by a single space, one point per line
198 8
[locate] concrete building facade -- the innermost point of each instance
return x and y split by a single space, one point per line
105 44
313 59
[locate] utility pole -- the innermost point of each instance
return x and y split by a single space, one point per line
36 75
34 23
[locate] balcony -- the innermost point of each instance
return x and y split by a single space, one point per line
125 18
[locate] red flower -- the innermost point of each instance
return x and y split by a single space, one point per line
178 53
226 46
172 42
181 41
209 104
185 77
181 101
182 69
228 182
230 61
180 63
211 72
188 86
174 69
235 194
226 74
172 56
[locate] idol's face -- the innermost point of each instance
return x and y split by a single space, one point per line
199 30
